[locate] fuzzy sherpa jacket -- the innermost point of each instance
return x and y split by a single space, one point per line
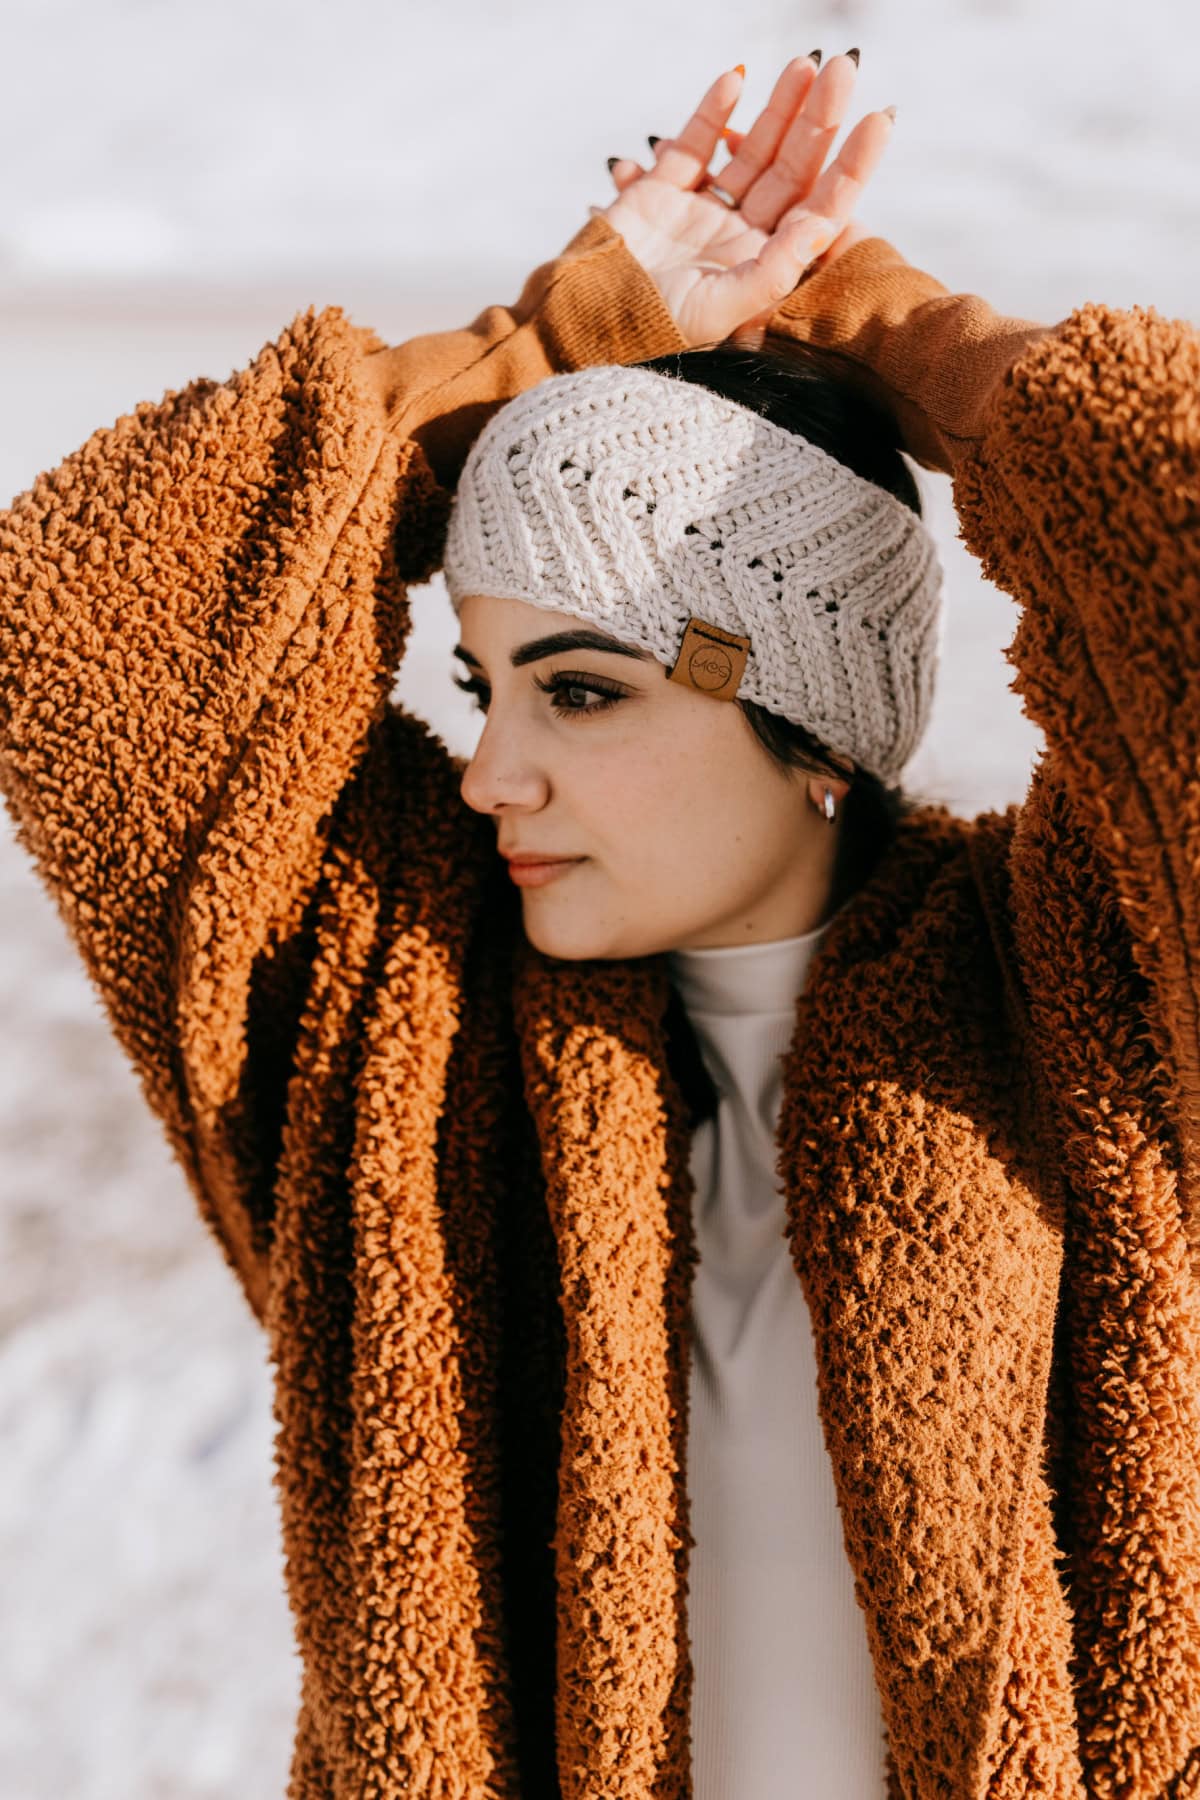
451 1175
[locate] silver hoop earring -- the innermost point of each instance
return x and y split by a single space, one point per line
830 806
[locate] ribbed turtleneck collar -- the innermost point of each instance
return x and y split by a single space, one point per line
745 979
741 1005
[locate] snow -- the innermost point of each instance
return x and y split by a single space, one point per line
188 180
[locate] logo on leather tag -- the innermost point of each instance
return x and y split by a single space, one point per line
711 660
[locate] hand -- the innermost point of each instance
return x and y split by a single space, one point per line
723 271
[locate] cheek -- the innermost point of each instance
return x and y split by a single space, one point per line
669 806
631 801
683 824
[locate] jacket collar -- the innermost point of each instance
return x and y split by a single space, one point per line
930 1264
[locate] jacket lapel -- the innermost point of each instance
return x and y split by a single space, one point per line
615 1150
929 1253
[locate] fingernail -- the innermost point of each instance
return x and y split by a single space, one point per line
740 69
653 142
612 163
854 54
726 134
891 112
815 56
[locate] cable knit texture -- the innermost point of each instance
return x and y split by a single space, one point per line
637 500
452 1175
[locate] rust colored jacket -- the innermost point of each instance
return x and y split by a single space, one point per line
451 1174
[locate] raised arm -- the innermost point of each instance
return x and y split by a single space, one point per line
596 303
1075 451
201 613
934 359
711 269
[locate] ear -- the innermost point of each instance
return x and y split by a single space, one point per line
817 789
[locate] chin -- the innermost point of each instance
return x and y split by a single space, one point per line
563 945
575 939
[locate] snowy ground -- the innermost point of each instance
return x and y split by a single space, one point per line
188 182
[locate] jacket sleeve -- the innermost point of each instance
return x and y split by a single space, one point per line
1075 456
201 614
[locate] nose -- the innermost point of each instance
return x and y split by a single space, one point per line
500 777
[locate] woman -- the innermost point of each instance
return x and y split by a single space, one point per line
609 527
453 1161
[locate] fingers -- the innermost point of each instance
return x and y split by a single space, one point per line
683 161
624 172
756 149
800 152
838 189
732 140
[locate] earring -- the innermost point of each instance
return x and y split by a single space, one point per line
830 806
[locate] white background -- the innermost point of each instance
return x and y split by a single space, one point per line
177 183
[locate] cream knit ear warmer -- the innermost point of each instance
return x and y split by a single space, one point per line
646 504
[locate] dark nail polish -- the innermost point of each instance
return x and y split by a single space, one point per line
654 142
612 163
815 56
854 54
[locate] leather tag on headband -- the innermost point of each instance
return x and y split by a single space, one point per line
711 660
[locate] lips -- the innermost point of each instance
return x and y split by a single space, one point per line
520 859
528 869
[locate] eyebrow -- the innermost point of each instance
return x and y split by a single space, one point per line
554 645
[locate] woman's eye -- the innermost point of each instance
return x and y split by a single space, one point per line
573 695
471 684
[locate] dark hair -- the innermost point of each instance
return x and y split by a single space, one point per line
801 389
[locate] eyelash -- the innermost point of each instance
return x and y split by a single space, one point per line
607 692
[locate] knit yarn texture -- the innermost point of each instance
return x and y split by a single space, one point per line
637 501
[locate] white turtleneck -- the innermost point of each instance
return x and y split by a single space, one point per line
785 1704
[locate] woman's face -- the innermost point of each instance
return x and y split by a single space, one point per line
665 823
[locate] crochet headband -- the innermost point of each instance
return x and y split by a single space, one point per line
740 555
